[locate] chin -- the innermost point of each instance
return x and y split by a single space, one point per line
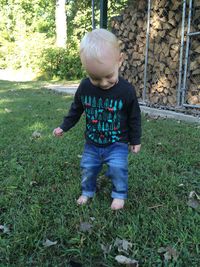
108 87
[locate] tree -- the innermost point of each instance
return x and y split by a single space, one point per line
61 26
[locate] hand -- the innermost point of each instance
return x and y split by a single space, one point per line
58 132
135 148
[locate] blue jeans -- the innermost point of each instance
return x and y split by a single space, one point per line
115 156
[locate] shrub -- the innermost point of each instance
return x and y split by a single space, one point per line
24 52
36 52
59 62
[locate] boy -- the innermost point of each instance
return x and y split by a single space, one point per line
112 116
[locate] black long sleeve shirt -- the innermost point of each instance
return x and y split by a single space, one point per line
112 115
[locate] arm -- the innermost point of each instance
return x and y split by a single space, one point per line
72 117
134 123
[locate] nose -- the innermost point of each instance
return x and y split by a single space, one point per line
103 83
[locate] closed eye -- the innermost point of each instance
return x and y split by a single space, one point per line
109 76
94 78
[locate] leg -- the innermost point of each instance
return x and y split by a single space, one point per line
117 161
90 167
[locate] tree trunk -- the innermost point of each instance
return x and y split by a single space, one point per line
61 26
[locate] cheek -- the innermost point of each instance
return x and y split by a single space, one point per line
94 82
113 79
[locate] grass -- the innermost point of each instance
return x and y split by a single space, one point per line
40 181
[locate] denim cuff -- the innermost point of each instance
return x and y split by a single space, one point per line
87 194
119 195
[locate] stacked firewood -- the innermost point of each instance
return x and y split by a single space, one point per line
163 52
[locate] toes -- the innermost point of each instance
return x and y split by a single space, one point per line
82 200
117 204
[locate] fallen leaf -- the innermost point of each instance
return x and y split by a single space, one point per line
171 253
49 243
168 253
194 200
106 248
32 183
161 250
4 229
36 134
79 156
8 110
122 245
85 227
193 194
124 260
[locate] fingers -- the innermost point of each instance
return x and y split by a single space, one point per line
58 132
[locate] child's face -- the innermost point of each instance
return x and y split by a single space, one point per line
104 73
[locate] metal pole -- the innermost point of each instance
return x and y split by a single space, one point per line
193 33
191 106
186 54
146 52
178 100
103 13
93 16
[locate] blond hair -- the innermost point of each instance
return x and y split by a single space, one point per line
94 42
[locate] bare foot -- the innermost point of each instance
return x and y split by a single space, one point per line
117 204
82 200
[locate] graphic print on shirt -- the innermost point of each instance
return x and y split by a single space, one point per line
103 119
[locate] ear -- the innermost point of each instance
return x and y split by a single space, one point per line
121 58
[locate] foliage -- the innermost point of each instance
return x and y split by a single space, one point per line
58 62
25 52
40 181
27 28
80 18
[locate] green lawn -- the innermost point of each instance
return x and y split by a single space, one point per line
40 181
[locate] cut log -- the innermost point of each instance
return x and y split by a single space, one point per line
194 65
163 53
171 14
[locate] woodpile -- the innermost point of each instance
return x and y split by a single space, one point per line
163 52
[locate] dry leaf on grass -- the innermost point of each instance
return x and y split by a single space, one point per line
123 245
49 243
194 200
168 253
126 261
8 110
85 227
32 183
4 229
36 134
106 248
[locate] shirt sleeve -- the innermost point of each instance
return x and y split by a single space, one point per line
134 120
74 113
